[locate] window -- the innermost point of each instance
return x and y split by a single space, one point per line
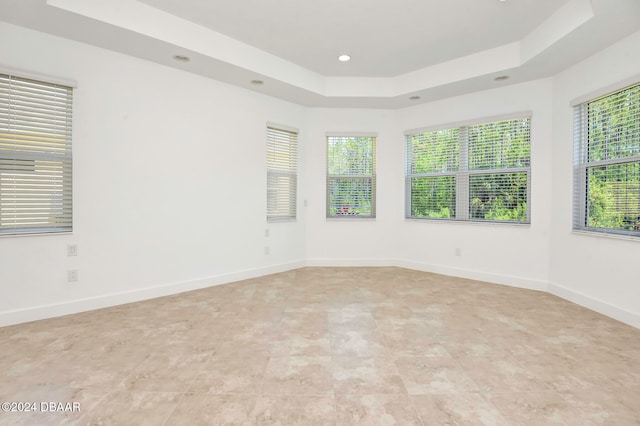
35 156
351 176
282 175
607 163
478 172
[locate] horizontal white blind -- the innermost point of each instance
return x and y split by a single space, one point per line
432 197
500 145
433 158
478 172
35 156
498 196
434 152
282 169
607 163
614 125
351 163
499 160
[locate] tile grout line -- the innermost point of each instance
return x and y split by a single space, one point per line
184 393
525 350
333 383
394 360
260 392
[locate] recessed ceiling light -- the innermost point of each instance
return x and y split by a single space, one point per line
181 58
501 78
414 98
257 82
344 58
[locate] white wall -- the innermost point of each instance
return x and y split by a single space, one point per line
598 272
353 241
505 254
170 175
169 184
515 255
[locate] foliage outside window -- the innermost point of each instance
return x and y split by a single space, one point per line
282 174
351 176
35 156
607 163
476 173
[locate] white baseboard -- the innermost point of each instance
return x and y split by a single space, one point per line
347 262
509 280
596 305
54 310
622 315
104 301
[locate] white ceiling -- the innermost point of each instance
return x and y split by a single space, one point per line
406 48
384 38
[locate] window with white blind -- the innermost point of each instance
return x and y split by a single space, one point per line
607 163
478 172
282 173
351 176
35 156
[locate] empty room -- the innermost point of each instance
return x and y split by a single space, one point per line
343 212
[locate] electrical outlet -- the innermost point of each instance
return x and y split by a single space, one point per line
72 249
266 232
72 275
266 250
304 203
458 251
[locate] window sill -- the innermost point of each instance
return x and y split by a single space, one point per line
283 220
350 218
469 222
35 234
607 235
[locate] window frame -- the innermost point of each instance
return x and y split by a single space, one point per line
34 123
463 175
372 176
582 163
276 136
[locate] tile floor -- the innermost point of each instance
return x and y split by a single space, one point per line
324 346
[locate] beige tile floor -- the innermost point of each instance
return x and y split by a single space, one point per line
323 346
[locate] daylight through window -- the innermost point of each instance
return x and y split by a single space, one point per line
351 176
479 172
35 156
282 173
607 163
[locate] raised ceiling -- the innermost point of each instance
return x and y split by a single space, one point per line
407 48
385 39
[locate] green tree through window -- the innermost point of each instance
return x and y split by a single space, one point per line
479 172
607 163
351 176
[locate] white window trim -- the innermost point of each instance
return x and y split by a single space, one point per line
45 78
470 122
66 158
606 90
462 197
352 134
273 218
581 164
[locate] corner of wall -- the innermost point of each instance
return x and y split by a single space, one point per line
104 301
595 305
